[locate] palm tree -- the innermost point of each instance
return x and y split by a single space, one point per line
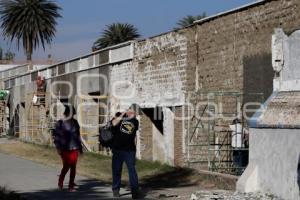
29 22
189 20
10 56
116 33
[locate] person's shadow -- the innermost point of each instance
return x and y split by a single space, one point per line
87 190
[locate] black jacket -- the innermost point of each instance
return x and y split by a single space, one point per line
67 135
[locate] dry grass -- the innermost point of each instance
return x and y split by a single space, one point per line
89 164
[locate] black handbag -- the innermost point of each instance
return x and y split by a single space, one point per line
106 135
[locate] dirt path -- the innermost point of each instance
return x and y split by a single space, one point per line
39 181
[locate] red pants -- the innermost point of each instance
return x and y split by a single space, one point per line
69 159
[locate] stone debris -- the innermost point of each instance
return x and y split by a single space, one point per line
194 197
229 195
165 196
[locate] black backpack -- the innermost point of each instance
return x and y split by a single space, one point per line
106 135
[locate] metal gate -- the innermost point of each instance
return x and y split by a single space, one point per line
209 144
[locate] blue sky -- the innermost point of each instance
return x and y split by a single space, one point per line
83 21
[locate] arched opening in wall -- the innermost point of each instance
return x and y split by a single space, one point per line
22 119
10 116
16 120
4 117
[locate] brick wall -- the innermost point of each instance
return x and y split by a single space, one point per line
162 63
178 137
146 138
235 49
157 71
231 52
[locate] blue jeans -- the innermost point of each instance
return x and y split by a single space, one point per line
240 159
117 163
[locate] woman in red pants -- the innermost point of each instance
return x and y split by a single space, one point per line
68 144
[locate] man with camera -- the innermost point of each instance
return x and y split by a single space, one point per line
124 128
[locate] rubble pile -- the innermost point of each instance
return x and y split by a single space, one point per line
228 195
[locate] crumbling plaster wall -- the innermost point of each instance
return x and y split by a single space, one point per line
156 77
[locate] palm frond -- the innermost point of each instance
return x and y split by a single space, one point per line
30 22
189 20
116 33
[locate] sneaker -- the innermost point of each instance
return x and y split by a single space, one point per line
71 188
116 193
